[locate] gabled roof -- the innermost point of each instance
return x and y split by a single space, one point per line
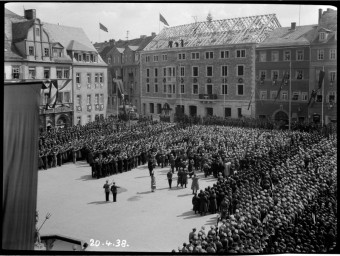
287 36
253 29
133 47
10 51
57 45
121 50
76 46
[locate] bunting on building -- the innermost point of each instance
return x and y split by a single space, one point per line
52 86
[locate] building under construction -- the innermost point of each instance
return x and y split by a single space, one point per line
204 68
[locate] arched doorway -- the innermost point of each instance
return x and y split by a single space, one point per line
281 116
62 122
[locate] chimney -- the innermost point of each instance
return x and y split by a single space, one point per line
293 26
153 34
30 14
320 14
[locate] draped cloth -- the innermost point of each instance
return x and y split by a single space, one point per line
20 164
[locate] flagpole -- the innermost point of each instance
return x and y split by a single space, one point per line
323 100
290 93
99 32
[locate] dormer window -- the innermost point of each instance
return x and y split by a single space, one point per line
322 36
57 52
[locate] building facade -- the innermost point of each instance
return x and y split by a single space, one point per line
46 51
204 68
323 108
282 74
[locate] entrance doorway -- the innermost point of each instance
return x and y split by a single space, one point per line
192 110
281 116
209 111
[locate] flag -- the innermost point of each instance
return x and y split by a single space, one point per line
282 83
161 18
250 100
313 95
52 94
102 27
321 76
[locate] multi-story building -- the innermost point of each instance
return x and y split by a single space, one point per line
30 54
45 51
124 71
324 58
204 68
282 73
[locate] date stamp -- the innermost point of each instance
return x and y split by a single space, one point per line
118 243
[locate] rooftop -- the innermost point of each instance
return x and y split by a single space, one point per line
253 29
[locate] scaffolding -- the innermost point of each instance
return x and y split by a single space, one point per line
253 29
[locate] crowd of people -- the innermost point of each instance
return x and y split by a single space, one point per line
273 188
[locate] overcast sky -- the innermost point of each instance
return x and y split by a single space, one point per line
143 18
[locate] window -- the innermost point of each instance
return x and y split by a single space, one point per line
240 53
37 32
299 74
263 95
320 54
224 89
109 60
319 97
209 89
46 52
65 98
273 95
195 71
209 55
147 72
159 108
181 56
286 56
304 96
78 78
209 71
331 97
322 36
275 75
240 70
164 88
151 108
275 56
155 58
15 72
147 58
31 72
88 78
156 72
46 73
239 89
224 70
182 71
88 99
295 95
164 57
299 55
66 73
332 54
263 56
182 89
284 95
287 75
96 99
96 77
224 54
332 76
195 89
263 74
164 71
30 50
78 100
173 88
79 120
79 56
87 58
89 118
227 112
101 77
147 87
195 55
156 88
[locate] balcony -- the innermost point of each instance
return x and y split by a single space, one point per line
60 108
207 96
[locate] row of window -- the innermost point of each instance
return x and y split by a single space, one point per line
62 97
321 54
89 118
303 96
223 54
98 99
56 52
85 57
98 78
61 72
171 71
299 74
299 55
171 89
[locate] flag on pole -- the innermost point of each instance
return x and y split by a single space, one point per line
321 76
52 94
102 27
282 83
161 18
250 100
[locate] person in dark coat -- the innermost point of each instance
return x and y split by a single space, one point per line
169 176
196 203
213 203
184 178
203 203
107 190
114 191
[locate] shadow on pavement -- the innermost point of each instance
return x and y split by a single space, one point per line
142 177
143 193
86 177
185 195
100 202
134 198
212 221
188 213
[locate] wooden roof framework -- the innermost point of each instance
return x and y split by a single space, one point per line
252 29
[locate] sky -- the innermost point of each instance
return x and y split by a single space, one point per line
143 18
